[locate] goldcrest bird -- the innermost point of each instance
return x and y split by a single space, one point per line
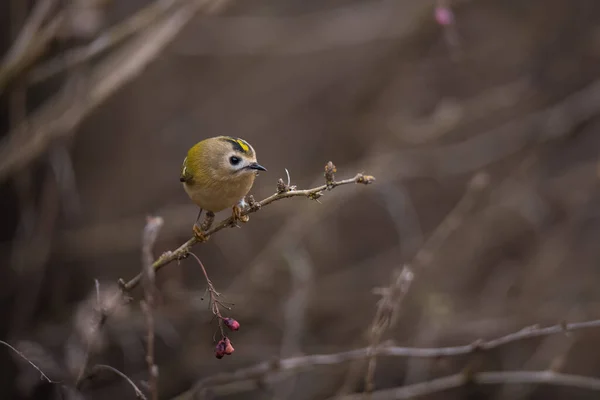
217 174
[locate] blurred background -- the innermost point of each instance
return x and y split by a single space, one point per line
100 100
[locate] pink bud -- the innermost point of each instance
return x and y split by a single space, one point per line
228 347
444 15
231 324
220 349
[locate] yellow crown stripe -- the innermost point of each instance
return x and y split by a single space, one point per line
243 145
240 144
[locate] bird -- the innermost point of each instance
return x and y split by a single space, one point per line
218 173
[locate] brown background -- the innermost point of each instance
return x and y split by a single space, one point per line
373 86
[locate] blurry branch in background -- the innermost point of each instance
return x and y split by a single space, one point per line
86 340
392 296
385 317
302 272
20 354
138 393
283 191
482 378
90 320
61 114
264 370
153 226
31 42
88 336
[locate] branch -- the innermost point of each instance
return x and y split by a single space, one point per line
482 378
150 234
261 370
138 392
42 374
214 302
284 191
31 42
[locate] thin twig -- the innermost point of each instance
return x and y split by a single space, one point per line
31 43
29 361
213 294
259 371
30 29
138 392
215 303
102 316
149 237
183 250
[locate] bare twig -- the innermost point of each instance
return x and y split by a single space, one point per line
392 296
483 378
387 309
99 316
27 34
138 392
215 303
150 234
261 370
11 68
29 361
183 250
302 281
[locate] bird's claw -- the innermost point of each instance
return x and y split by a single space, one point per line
237 216
199 234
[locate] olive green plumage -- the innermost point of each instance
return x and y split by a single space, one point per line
219 171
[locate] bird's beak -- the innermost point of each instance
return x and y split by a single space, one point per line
256 166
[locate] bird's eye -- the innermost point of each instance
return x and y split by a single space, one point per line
234 160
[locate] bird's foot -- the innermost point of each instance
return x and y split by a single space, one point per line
200 231
200 234
236 216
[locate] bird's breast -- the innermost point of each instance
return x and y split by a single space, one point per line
218 195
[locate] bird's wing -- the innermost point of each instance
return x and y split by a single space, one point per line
185 176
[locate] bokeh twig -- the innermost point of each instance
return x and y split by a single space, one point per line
150 234
42 374
31 42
